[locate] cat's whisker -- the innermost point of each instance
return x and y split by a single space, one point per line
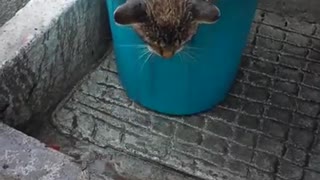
146 61
190 56
142 55
194 48
144 52
133 45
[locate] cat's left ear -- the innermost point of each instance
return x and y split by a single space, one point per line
131 12
205 12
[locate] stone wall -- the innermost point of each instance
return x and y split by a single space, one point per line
45 50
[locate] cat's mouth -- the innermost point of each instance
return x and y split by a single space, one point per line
165 53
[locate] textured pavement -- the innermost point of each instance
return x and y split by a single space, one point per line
266 129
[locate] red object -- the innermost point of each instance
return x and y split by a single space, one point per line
54 146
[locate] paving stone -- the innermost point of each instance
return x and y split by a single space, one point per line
295 50
274 128
292 61
190 149
309 108
316 145
314 55
189 134
279 114
259 79
223 114
274 19
220 128
269 43
163 125
271 32
287 87
298 39
295 25
253 108
216 159
311 175
195 121
283 101
232 103
264 161
237 167
263 67
301 138
249 122
255 174
309 93
215 144
256 93
312 80
289 171
265 54
303 121
245 137
269 145
314 67
237 89
295 155
314 162
239 152
290 74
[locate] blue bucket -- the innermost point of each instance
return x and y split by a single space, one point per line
192 82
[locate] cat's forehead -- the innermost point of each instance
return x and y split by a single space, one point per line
168 12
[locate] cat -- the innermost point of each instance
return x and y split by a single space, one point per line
166 25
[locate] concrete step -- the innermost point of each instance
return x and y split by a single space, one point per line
267 128
24 158
9 8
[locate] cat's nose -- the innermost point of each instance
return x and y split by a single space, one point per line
167 54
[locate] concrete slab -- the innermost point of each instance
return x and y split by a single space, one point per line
24 158
266 129
45 49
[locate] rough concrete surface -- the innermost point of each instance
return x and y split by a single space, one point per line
266 129
8 8
45 49
107 163
24 158
301 9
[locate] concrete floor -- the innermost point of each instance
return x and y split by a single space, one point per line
266 129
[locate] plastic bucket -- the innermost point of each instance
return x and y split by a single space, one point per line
197 79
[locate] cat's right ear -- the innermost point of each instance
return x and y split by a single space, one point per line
131 12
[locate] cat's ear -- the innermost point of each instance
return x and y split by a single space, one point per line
205 12
131 12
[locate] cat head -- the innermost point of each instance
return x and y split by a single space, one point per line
166 25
